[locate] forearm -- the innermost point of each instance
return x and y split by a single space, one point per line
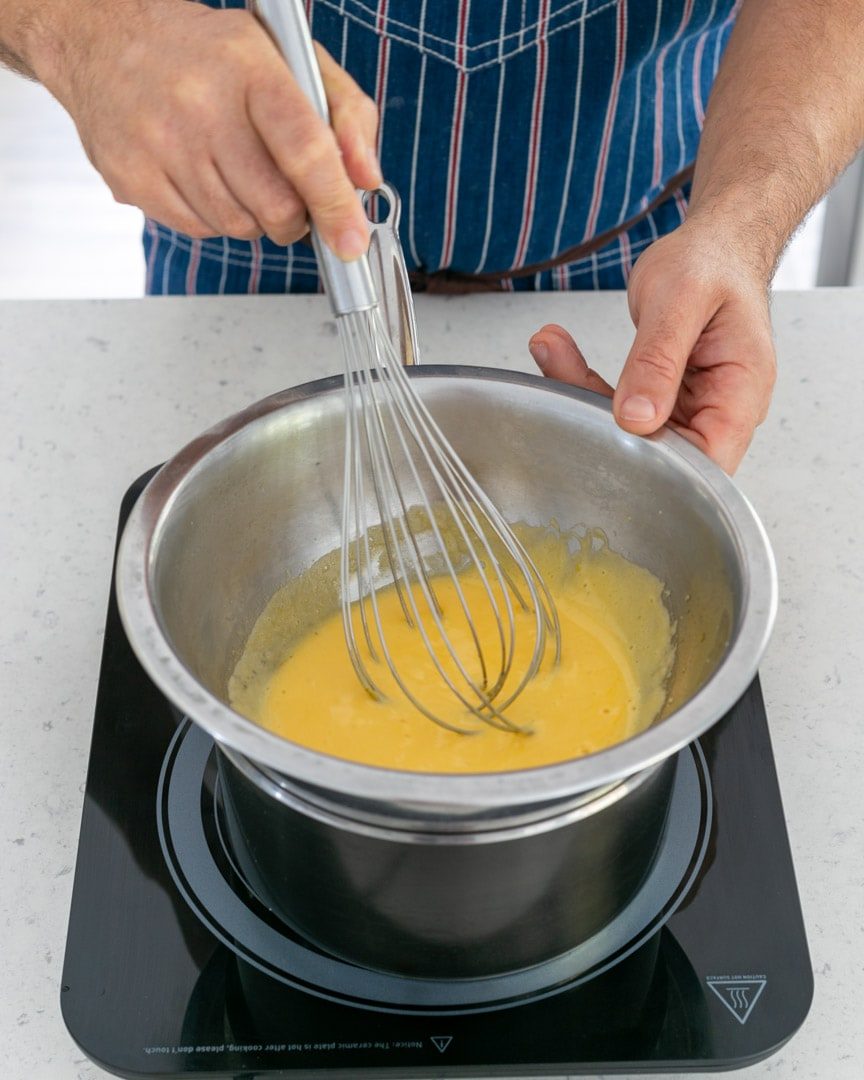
785 118
191 114
43 39
16 28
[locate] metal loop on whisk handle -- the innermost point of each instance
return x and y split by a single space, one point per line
349 285
387 265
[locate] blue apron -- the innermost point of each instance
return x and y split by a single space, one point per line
536 144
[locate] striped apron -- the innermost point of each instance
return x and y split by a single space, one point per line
536 144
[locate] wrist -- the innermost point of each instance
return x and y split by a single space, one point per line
58 39
39 36
19 26
740 236
702 260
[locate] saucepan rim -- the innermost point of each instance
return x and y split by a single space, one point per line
154 650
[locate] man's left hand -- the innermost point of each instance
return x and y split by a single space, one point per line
703 359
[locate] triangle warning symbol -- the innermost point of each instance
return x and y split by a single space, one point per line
738 995
441 1042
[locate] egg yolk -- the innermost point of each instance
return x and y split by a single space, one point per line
609 683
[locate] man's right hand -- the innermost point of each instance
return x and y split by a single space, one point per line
192 115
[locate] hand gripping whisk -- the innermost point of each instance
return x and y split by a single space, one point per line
431 526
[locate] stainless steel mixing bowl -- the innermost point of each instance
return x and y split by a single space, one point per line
256 500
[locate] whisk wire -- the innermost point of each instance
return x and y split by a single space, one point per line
433 524
380 402
353 483
384 475
370 594
460 514
472 492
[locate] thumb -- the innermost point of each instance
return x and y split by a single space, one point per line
648 387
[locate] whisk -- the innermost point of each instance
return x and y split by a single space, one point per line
435 525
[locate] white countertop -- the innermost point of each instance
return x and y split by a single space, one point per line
93 393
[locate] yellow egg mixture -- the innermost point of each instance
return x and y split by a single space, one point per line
616 657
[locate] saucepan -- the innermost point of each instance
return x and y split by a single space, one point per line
427 875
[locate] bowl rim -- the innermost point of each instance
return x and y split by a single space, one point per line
443 790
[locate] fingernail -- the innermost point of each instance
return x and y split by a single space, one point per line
639 409
375 165
352 244
540 352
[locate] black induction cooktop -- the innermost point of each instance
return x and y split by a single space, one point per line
173 967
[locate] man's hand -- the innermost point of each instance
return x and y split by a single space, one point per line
785 116
192 115
703 358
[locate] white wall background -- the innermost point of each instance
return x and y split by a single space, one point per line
61 233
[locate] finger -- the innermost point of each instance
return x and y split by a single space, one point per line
160 200
306 152
559 357
724 443
711 431
251 175
727 401
650 380
354 117
202 186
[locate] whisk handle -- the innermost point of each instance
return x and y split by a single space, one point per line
349 285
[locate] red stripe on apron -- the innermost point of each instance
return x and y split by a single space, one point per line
255 267
192 268
698 104
626 254
383 65
536 135
612 109
452 199
658 99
